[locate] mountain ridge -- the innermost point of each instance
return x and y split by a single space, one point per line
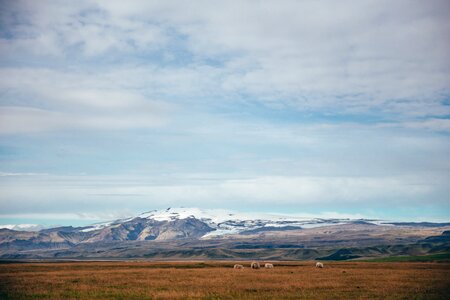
180 232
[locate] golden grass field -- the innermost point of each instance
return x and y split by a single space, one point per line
218 280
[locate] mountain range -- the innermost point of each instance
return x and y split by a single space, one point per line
193 233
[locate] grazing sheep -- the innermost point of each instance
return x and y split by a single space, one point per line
255 265
268 266
238 267
319 265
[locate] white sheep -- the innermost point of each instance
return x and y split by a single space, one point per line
238 266
319 265
268 266
255 265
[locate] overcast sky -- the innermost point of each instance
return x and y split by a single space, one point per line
111 108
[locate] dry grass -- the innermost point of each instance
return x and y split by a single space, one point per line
218 280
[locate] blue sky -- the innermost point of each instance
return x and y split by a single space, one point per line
332 108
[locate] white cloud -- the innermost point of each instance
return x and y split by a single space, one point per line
55 28
15 120
21 174
217 79
325 55
61 217
379 51
47 100
94 193
431 124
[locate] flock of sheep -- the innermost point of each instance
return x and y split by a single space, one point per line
256 265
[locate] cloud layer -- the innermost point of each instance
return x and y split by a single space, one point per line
370 55
288 104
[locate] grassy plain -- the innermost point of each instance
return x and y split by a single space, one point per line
218 280
441 257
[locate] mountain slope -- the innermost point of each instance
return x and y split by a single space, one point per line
192 231
174 223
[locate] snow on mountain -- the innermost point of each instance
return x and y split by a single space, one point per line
24 227
185 222
213 215
96 226
229 222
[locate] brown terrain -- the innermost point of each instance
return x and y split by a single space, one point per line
218 280
337 242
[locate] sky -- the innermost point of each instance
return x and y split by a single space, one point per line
328 108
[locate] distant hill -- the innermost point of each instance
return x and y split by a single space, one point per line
443 238
419 224
192 233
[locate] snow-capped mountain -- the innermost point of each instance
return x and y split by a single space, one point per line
228 222
24 227
219 222
200 233
166 225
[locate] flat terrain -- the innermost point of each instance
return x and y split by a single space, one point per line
218 280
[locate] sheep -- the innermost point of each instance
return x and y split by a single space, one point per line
268 266
238 266
319 265
255 265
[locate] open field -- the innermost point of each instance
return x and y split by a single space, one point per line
440 257
218 280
